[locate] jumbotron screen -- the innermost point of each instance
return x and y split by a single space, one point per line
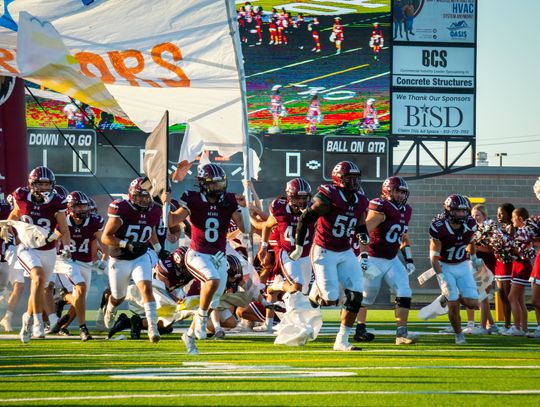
313 67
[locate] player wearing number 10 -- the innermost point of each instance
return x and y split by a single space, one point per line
210 211
451 238
340 211
130 228
37 204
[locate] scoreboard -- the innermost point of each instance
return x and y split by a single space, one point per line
77 154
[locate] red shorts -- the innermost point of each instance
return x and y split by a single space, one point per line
521 271
259 310
503 271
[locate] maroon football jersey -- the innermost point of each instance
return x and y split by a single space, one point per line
161 229
385 239
453 241
136 225
176 276
209 221
335 228
5 210
44 214
82 237
286 224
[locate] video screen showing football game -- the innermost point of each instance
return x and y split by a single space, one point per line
312 67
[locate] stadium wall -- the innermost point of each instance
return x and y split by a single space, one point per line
496 185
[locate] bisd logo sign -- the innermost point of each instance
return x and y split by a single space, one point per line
434 116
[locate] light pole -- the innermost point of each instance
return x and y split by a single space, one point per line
501 155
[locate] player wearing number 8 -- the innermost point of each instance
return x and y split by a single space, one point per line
130 229
339 210
210 211
451 239
38 205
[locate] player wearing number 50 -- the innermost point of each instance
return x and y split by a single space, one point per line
388 222
38 204
210 211
130 229
340 211
451 238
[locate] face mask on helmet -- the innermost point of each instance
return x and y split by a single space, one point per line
41 181
212 180
457 209
138 196
234 273
179 259
78 205
347 176
395 190
298 193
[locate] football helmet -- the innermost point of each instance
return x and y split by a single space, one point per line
298 193
391 185
346 175
78 205
179 256
454 203
212 180
61 190
37 180
234 272
93 206
138 196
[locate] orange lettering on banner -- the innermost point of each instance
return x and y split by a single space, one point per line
118 60
4 58
89 58
157 56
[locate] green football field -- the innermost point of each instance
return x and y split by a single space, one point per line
250 370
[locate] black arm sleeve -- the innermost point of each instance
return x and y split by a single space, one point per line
361 229
307 218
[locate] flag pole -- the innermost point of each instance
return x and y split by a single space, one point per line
233 27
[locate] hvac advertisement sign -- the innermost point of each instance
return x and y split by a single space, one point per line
435 21
433 67
438 114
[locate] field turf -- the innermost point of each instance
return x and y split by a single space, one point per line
250 370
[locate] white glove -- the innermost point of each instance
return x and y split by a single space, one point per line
296 253
52 237
476 262
100 264
364 262
218 259
65 254
411 268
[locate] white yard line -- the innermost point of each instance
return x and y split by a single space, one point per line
223 394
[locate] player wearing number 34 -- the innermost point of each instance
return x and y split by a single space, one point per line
130 229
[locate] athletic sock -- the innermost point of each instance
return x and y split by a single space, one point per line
38 319
269 321
111 308
8 316
343 334
150 311
401 331
214 316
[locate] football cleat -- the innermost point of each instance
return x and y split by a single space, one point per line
121 323
460 339
153 333
219 335
190 343
84 334
26 329
263 328
477 330
38 331
5 323
345 347
64 332
200 326
136 327
406 340
362 335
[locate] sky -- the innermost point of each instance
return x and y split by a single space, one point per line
508 81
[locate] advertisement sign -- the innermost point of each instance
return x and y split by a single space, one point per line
433 67
435 21
439 114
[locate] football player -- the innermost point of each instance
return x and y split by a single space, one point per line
5 210
130 229
388 221
85 231
314 28
339 210
453 255
210 211
337 34
284 214
376 41
37 204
